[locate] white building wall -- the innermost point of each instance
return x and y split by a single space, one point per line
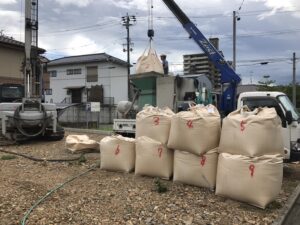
113 77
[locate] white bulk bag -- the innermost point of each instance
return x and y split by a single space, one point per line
153 158
252 133
256 180
196 170
196 131
117 153
149 62
154 122
79 143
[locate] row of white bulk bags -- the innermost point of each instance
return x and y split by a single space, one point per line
196 170
252 133
79 143
255 180
153 158
155 123
117 153
196 131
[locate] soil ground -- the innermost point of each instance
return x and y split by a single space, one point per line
101 197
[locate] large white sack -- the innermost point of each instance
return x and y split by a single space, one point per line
117 153
256 181
79 143
196 170
154 122
153 158
252 133
149 62
196 131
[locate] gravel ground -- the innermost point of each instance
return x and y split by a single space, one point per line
101 197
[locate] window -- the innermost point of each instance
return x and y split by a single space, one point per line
285 101
77 71
48 91
53 73
12 92
73 71
92 74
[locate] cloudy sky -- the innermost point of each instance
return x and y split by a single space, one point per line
268 31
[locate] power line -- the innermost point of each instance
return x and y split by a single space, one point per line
245 13
241 5
78 30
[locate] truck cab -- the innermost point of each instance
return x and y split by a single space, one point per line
11 92
287 113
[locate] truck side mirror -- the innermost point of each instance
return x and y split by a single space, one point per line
289 117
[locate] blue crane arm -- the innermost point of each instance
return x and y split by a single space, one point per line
228 75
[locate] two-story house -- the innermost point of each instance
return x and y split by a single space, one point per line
72 77
12 54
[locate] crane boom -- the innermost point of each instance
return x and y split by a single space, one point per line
228 76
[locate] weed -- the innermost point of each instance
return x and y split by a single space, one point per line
159 186
8 157
82 159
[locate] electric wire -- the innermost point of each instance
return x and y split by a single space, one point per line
41 159
39 201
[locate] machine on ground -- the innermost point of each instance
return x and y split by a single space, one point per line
229 80
23 116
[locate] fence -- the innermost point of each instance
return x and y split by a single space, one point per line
77 116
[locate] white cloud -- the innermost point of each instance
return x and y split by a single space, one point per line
4 2
81 3
275 5
10 23
79 45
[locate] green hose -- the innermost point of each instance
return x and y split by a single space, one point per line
23 222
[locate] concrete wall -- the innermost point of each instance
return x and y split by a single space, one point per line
113 77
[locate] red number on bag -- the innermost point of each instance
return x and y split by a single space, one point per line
189 123
117 151
203 159
242 124
251 168
159 150
156 120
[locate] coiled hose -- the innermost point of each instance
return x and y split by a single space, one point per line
18 121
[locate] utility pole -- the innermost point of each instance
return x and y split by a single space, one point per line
235 18
128 21
294 79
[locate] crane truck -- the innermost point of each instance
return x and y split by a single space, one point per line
229 81
29 117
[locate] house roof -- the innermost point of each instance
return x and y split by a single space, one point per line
10 42
79 59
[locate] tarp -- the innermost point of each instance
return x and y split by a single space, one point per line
79 143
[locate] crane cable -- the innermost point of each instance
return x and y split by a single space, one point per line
150 20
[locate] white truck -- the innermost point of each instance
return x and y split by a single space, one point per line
287 113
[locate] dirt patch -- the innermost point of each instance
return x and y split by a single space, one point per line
102 197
